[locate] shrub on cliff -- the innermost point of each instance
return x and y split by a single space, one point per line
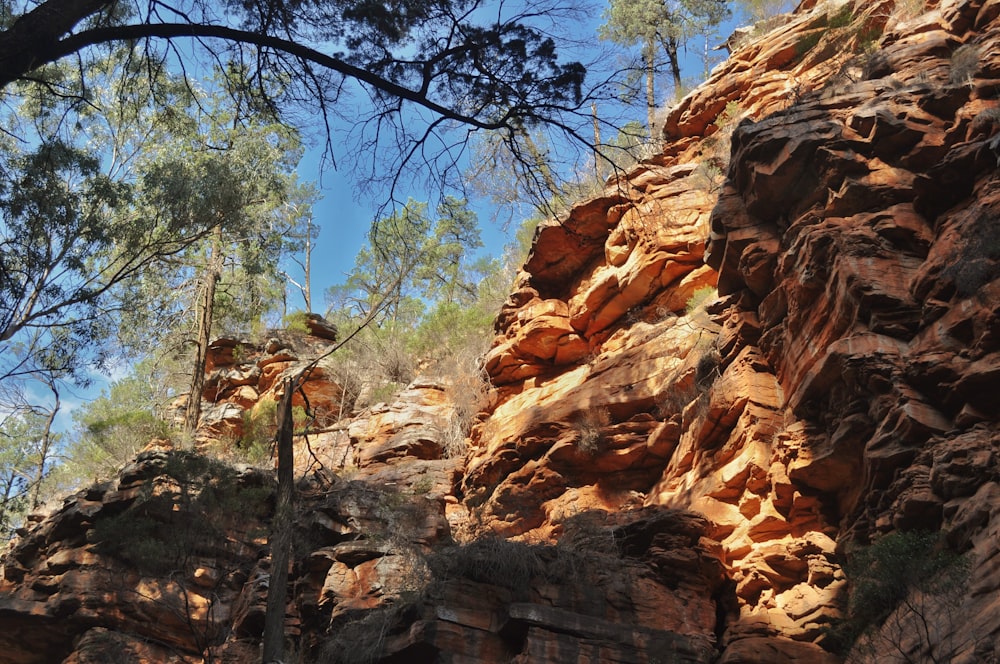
186 510
900 591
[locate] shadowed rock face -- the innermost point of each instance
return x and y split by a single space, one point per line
650 481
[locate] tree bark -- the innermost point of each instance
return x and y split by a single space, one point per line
281 533
307 268
33 39
206 309
597 140
675 65
649 56
46 446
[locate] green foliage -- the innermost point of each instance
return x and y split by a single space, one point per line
807 43
19 436
653 24
759 11
437 304
296 322
56 250
191 508
887 574
699 299
410 260
111 429
842 18
260 424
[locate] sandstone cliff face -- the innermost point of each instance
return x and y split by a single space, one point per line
848 373
649 481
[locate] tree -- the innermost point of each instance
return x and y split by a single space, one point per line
79 223
18 431
429 73
442 273
384 269
516 176
411 261
421 67
306 238
232 174
110 430
660 24
280 538
903 592
428 296
28 443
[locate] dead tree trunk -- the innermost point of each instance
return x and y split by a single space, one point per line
206 307
281 533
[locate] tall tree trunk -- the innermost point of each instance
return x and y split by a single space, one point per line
206 306
281 533
307 282
46 446
597 140
649 57
675 65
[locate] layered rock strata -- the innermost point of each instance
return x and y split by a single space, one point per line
853 344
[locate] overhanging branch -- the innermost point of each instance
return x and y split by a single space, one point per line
76 42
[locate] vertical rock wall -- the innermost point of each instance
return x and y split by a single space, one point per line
844 383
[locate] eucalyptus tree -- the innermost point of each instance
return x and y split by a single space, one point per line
124 188
233 174
406 81
413 259
18 431
656 25
28 445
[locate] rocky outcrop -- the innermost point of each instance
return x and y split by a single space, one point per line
852 345
241 376
655 474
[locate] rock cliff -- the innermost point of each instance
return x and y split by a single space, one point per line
654 476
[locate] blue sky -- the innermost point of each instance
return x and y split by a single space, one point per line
344 218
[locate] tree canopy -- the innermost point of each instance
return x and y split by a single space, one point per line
656 25
402 74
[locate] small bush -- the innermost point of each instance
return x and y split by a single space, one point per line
699 298
590 429
491 560
807 43
361 638
183 512
964 64
295 321
386 392
906 9
708 369
842 18
902 568
260 424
